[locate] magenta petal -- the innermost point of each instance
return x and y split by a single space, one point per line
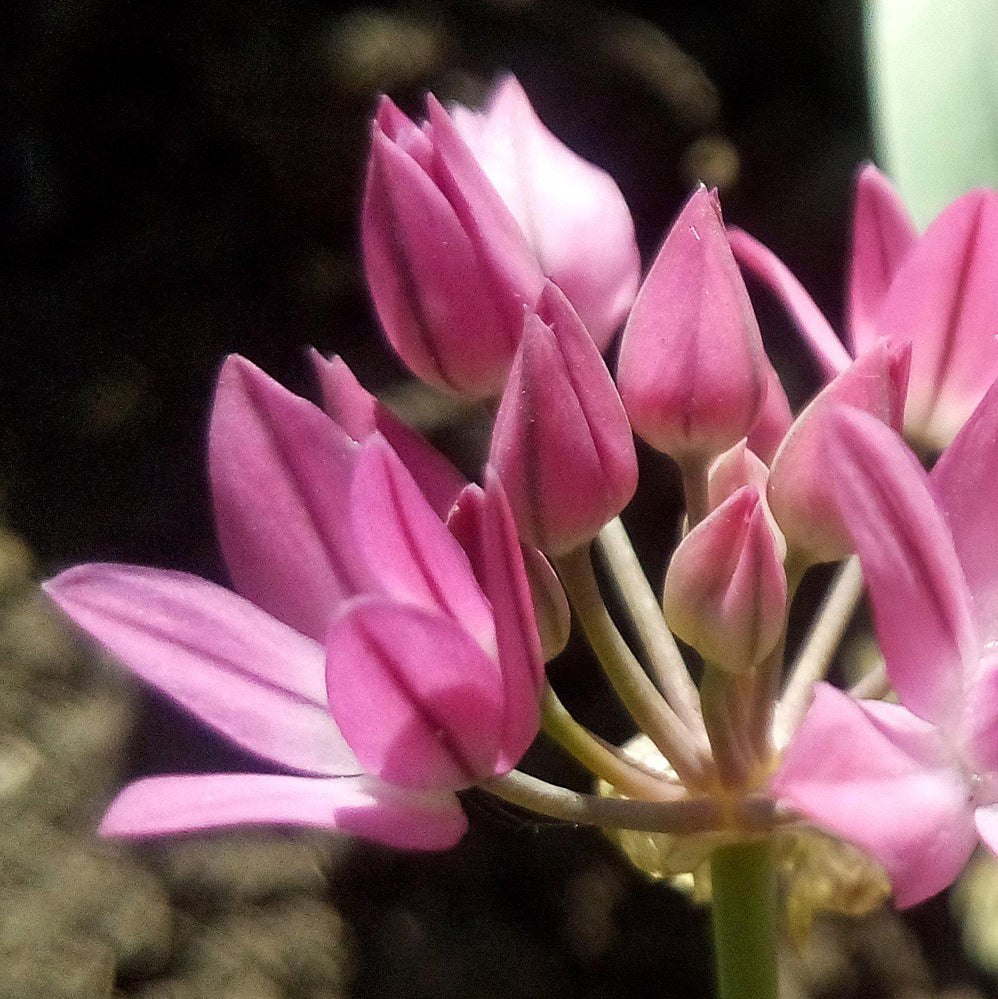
759 261
921 604
415 696
431 292
483 523
360 414
882 235
562 446
363 806
800 491
963 482
692 370
878 776
944 299
280 475
238 669
411 555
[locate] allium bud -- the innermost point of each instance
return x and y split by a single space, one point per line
562 445
572 212
800 492
726 589
692 372
448 267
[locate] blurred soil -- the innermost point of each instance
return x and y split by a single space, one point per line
181 181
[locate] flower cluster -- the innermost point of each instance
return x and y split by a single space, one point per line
384 641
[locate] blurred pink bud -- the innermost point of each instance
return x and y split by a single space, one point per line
725 589
571 211
562 446
448 267
692 371
801 493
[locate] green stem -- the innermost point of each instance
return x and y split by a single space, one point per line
745 920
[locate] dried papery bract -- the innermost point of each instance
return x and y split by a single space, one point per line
692 371
562 446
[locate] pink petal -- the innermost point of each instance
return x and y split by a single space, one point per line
979 723
571 211
800 492
878 776
986 820
415 696
882 234
921 605
562 446
963 482
431 291
483 522
759 261
944 299
551 610
774 422
238 669
411 555
738 466
692 370
360 414
363 806
280 474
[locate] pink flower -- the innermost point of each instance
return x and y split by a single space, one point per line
692 372
916 783
562 446
572 212
449 270
360 653
936 292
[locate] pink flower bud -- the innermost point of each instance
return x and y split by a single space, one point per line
571 212
448 267
725 589
562 445
800 490
692 371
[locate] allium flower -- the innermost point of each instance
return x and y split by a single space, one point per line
421 688
936 291
916 783
572 212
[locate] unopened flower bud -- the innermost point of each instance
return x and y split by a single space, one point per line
572 212
448 267
562 445
692 372
726 589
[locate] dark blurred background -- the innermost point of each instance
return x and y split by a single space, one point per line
181 180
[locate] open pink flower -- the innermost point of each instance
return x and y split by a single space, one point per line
936 291
916 783
361 654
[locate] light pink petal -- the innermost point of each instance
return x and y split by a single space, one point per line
759 261
944 299
554 616
483 522
561 445
979 723
775 420
415 696
921 604
362 806
238 669
986 820
882 234
692 370
411 555
738 466
800 492
571 211
883 779
280 476
964 481
431 291
360 414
